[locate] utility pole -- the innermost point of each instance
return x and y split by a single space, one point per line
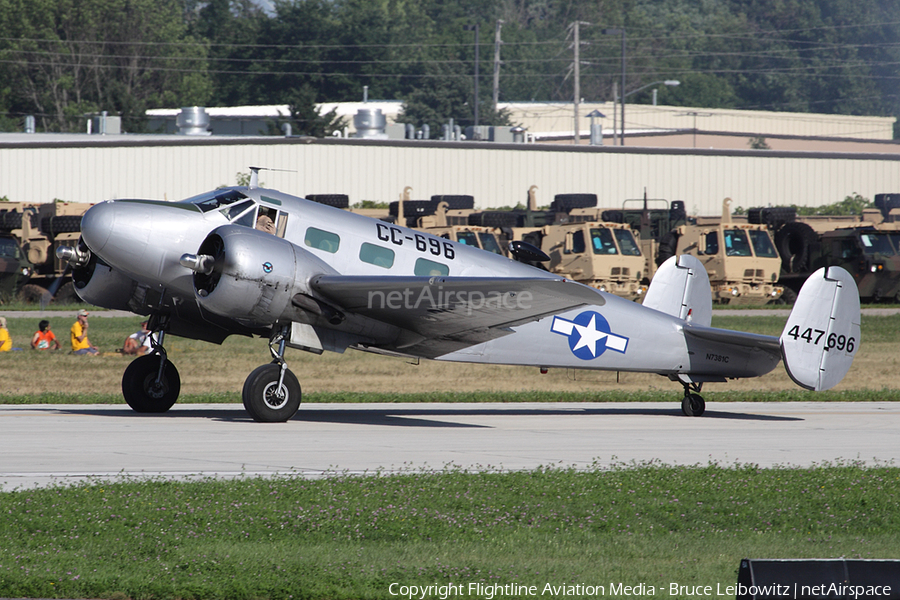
497 42
475 28
577 74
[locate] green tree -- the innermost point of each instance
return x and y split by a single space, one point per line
306 119
66 58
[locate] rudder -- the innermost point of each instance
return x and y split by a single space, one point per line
680 287
822 334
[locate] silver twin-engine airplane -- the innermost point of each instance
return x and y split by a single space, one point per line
255 261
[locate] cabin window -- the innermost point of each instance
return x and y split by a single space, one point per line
577 243
489 243
467 237
712 243
762 244
736 243
602 241
376 255
322 240
429 268
627 243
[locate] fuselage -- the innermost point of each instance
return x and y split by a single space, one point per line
143 241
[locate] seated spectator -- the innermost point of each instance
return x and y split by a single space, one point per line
78 336
43 338
138 343
5 340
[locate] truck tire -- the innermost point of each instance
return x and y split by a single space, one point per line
33 294
494 218
793 242
335 200
66 295
612 216
61 224
418 208
10 220
668 246
462 202
566 202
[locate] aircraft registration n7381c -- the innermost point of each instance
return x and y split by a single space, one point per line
258 262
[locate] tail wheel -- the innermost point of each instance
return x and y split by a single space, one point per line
693 405
144 392
265 400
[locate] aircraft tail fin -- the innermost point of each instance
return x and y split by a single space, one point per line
822 334
680 287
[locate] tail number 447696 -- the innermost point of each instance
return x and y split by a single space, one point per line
834 340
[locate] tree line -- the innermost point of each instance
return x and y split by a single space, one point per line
63 59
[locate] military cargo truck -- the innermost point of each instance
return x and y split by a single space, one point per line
866 245
39 229
605 256
741 261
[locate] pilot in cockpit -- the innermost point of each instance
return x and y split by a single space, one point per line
264 221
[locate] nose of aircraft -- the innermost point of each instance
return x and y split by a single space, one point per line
119 231
97 224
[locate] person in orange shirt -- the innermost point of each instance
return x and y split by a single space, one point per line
79 338
43 338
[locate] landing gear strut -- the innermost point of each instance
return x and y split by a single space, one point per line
151 383
692 405
271 392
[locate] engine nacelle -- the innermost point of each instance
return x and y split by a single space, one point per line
96 283
252 275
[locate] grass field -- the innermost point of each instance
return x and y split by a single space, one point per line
216 373
352 537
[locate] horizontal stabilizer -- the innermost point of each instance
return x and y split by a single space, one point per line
680 287
822 334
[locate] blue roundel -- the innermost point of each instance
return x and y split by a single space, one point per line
588 339
267 267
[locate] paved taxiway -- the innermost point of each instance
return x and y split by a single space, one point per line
46 444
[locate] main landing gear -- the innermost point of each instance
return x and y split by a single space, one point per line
693 404
272 393
151 383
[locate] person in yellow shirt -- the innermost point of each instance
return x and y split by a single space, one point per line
5 340
80 342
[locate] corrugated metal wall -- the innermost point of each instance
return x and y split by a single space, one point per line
496 175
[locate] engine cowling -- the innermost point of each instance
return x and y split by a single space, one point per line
96 283
251 275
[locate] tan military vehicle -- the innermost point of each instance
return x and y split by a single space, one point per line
602 255
740 258
40 229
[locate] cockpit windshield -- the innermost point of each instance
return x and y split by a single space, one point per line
8 248
876 243
216 199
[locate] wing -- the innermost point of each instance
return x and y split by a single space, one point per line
444 314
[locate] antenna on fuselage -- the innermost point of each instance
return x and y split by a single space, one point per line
254 175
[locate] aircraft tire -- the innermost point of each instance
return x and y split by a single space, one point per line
260 399
139 386
693 405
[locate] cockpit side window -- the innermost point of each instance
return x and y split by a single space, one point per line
234 210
